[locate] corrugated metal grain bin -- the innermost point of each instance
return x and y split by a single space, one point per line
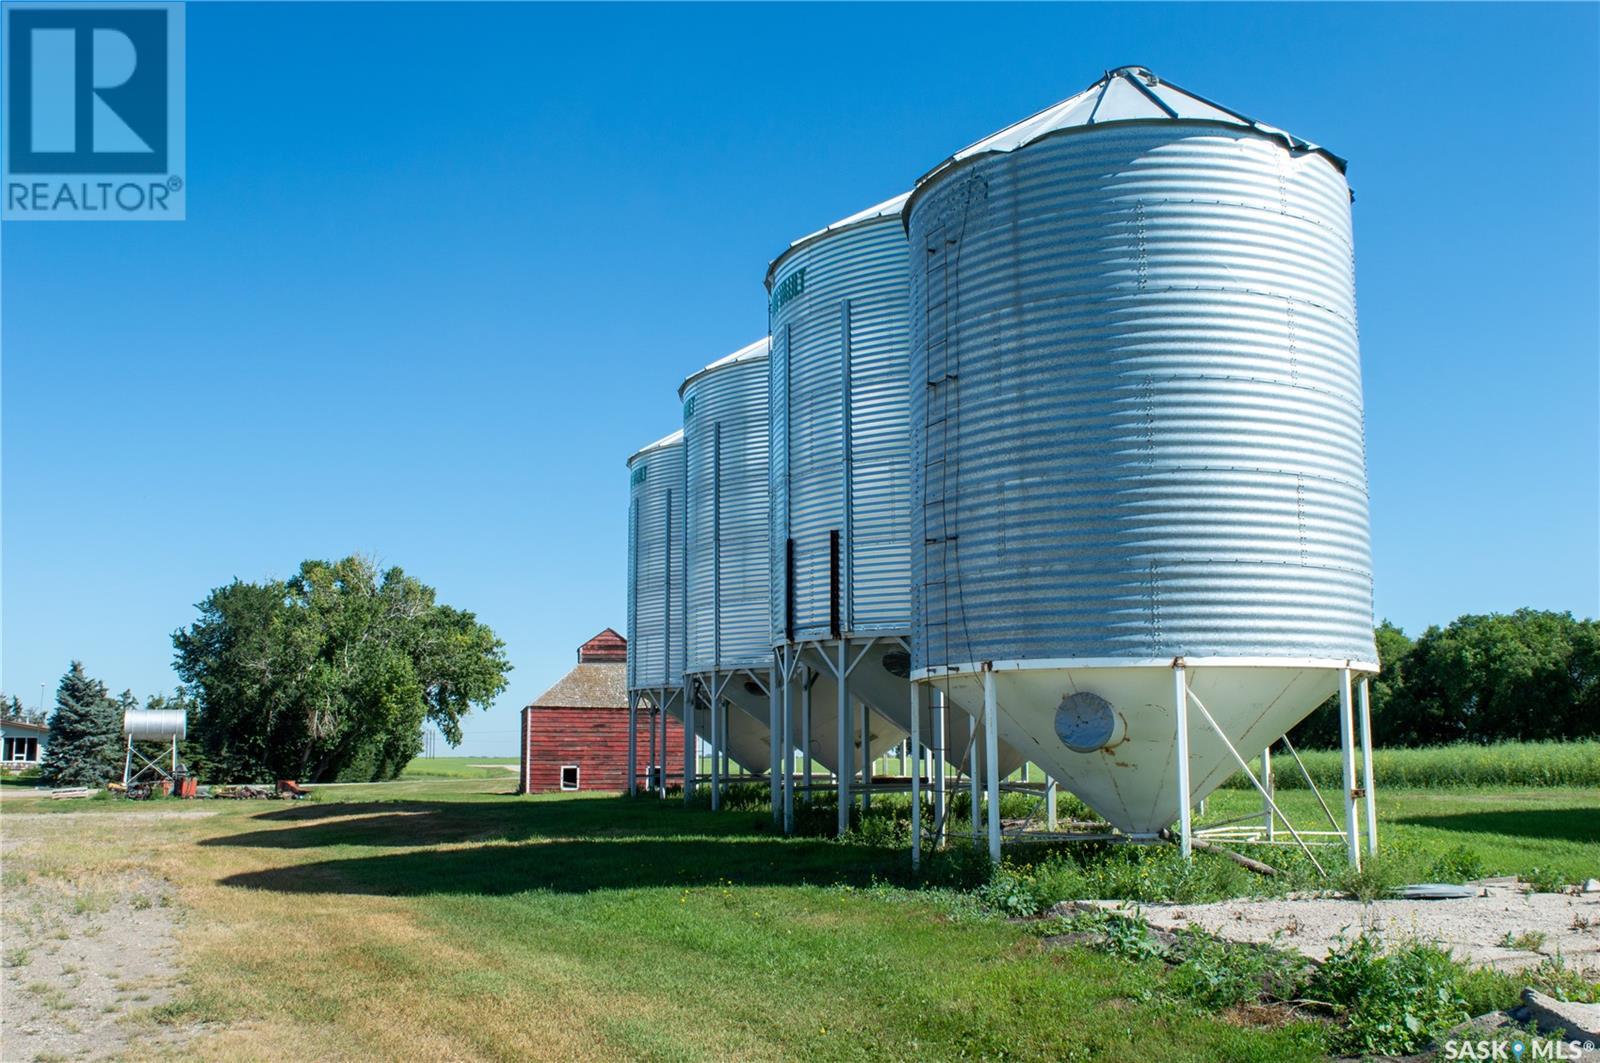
841 434
655 565
839 313
1138 429
725 437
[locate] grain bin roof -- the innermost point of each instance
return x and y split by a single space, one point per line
758 349
664 441
1126 94
887 209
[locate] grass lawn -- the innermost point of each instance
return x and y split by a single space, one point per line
429 919
1511 831
461 768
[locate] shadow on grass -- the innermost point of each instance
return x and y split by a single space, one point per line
1554 824
393 824
583 866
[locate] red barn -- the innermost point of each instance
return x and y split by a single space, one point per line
575 735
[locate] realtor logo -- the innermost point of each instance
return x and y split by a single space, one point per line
94 113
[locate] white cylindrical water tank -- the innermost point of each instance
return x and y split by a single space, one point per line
1138 434
155 725
655 565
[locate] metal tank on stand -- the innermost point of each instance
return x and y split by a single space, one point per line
1139 486
841 504
728 662
655 602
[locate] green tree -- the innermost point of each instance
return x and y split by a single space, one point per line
1520 676
331 674
11 708
85 743
1320 730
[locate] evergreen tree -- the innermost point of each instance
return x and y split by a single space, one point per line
11 708
85 744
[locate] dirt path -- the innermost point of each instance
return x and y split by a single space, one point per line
86 961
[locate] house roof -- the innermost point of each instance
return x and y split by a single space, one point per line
24 725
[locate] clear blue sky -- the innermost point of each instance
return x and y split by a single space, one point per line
444 268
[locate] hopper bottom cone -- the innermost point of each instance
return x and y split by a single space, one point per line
874 681
1132 779
747 738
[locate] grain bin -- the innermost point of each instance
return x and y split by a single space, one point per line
841 487
1139 483
655 596
655 565
726 537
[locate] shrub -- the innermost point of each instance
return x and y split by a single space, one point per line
1374 879
962 867
1527 941
1457 864
1393 1003
1220 974
1543 880
1487 989
1124 934
886 827
1013 891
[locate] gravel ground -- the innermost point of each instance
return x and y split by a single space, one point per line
1474 928
84 960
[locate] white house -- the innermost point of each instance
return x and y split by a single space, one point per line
22 743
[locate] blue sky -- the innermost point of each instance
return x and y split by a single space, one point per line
444 268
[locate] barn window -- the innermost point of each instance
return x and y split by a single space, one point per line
569 776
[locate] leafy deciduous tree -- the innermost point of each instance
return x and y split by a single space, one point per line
1320 730
331 673
1519 676
1516 676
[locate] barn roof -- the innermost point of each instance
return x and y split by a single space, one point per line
606 646
600 680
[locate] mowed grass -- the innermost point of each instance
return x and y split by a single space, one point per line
1511 832
428 919
461 768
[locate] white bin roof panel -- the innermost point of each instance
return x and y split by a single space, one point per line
887 209
1126 94
660 444
758 349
